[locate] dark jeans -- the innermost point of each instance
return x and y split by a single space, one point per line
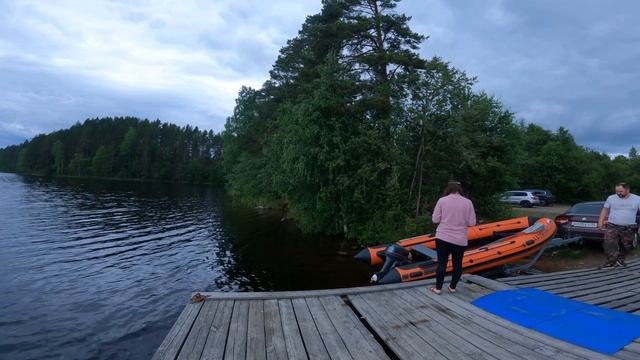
444 249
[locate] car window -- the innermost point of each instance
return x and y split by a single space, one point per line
540 191
591 209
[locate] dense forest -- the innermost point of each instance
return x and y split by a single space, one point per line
353 133
126 148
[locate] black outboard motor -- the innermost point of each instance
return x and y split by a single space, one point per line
395 255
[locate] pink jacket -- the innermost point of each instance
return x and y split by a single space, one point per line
453 214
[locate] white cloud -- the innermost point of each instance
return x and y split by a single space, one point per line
554 63
196 54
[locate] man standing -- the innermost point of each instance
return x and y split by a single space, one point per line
622 209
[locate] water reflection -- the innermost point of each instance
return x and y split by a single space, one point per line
101 269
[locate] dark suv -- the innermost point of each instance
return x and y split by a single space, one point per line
545 196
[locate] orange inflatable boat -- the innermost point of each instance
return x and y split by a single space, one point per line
422 261
374 255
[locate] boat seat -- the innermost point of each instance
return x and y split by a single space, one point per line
425 251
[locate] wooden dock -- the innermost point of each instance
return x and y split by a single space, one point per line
399 321
617 288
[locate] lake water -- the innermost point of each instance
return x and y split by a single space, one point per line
102 269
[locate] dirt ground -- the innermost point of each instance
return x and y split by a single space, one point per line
572 257
576 257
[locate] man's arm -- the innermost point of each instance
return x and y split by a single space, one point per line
603 215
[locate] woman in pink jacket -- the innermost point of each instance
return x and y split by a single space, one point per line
453 214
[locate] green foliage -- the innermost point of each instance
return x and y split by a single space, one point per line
123 148
101 163
57 151
355 134
79 165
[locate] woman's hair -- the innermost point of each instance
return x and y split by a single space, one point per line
452 188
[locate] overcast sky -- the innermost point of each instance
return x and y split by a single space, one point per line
553 62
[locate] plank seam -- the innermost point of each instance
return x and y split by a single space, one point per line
392 355
226 340
304 344
188 332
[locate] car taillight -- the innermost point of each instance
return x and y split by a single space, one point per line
561 220
534 197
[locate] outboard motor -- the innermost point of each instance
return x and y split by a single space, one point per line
395 255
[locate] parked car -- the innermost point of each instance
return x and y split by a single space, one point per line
544 195
581 219
520 197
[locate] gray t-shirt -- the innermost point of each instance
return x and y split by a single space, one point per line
623 211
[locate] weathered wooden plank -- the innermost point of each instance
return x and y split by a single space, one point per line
487 283
631 302
517 280
358 340
610 295
310 335
256 348
631 308
602 276
447 342
561 278
194 344
586 290
292 338
274 336
466 331
214 348
470 315
470 291
633 347
569 286
536 341
237 339
330 336
397 335
626 355
312 293
172 343
605 299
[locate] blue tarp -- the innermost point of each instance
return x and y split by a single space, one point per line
593 327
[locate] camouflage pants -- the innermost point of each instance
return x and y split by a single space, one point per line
618 241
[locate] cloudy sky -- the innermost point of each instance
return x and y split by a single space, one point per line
571 63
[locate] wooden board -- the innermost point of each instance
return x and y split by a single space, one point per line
172 343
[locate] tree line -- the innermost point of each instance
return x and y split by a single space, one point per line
121 147
353 133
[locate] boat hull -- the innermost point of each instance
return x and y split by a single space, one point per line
520 245
373 255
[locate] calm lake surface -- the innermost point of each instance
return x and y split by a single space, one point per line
102 269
